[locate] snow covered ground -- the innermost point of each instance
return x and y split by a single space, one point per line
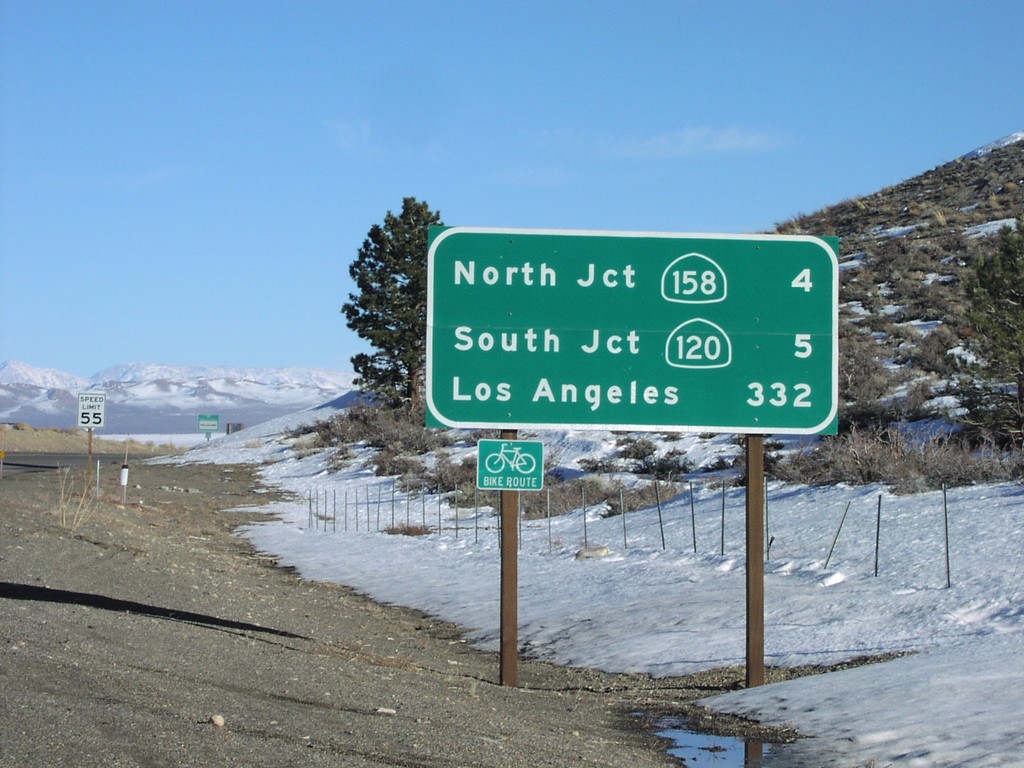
957 701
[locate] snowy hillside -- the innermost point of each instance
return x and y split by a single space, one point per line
165 399
850 572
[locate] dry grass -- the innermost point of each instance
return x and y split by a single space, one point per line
73 507
25 439
406 529
905 464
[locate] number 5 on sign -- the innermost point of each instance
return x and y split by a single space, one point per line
803 345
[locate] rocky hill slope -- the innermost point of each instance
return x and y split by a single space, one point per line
906 255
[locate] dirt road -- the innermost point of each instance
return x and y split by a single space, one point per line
149 635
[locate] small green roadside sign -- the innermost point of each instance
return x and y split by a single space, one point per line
540 329
510 465
209 422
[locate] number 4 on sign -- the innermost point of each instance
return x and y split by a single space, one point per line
803 280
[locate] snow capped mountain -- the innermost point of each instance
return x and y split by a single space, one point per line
13 372
151 398
275 377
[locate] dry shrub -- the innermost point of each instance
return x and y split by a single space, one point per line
931 353
906 464
405 529
635 448
448 474
605 466
643 458
665 467
567 495
378 426
862 376
456 480
395 432
408 469
641 497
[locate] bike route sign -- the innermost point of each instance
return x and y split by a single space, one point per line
633 331
510 465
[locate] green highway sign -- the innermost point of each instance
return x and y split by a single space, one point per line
209 422
510 465
633 331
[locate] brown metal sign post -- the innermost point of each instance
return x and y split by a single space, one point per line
509 672
755 560
88 463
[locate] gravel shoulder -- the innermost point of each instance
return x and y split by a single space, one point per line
128 634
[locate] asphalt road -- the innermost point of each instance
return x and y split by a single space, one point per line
40 462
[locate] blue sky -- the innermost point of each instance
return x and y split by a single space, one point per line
188 182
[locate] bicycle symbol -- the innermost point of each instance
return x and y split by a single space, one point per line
512 458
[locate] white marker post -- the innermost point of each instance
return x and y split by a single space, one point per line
124 474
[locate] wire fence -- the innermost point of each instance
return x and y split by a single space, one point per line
384 508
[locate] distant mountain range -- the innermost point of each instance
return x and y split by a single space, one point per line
166 399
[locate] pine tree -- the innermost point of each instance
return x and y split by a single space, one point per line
997 314
390 308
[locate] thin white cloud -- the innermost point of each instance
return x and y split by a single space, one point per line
533 175
154 178
677 144
125 182
668 145
353 137
361 139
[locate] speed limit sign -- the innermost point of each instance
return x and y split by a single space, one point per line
92 407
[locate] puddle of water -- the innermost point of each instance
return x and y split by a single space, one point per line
701 750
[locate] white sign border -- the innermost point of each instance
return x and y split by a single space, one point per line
450 231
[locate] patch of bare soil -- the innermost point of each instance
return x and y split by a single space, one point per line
149 634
